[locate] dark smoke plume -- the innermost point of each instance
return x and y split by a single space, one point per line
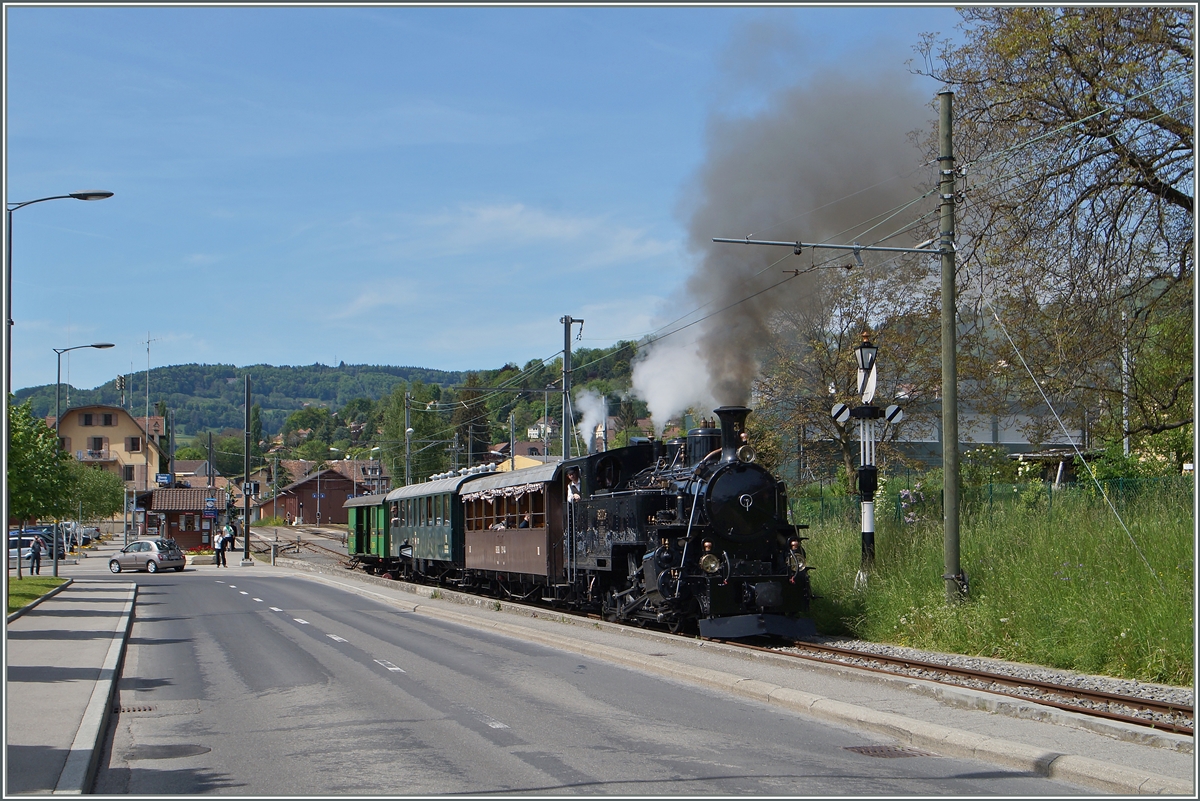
817 165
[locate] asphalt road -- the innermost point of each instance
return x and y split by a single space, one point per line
275 685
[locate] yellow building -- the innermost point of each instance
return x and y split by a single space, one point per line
111 438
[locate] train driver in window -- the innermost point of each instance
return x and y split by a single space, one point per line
526 521
573 493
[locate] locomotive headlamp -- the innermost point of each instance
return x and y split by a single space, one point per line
746 453
796 561
710 563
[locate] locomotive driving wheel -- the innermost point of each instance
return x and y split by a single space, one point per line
610 605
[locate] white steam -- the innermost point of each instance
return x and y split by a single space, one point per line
594 409
671 376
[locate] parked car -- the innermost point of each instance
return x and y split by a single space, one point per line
26 546
150 555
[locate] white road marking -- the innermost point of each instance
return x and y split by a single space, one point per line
336 638
233 586
244 592
273 608
390 666
490 721
260 600
300 621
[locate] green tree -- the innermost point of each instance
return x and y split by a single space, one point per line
95 493
39 473
229 455
256 429
1074 129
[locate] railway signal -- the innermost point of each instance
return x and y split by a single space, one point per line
868 473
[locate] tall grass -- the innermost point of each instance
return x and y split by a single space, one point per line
1054 580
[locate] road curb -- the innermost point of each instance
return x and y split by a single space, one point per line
1079 770
80 768
14 615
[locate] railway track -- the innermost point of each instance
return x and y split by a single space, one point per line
1154 713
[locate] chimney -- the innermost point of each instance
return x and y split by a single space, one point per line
733 423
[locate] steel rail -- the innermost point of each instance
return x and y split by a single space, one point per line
830 653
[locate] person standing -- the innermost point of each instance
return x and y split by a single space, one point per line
35 557
222 542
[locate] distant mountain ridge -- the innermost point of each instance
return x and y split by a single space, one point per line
211 397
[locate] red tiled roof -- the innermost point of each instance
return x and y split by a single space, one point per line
184 500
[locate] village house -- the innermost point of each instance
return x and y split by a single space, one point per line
110 438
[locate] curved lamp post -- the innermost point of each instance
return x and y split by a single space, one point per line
93 194
58 380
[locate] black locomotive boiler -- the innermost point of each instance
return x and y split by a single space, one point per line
690 533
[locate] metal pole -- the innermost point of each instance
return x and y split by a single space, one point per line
246 482
407 440
568 421
512 443
566 372
57 393
956 582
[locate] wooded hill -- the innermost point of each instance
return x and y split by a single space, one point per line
211 397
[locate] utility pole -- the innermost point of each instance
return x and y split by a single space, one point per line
171 432
146 452
246 485
567 321
408 432
956 580
210 460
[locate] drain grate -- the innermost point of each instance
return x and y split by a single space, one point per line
125 710
888 751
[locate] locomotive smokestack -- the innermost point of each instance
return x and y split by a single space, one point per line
733 425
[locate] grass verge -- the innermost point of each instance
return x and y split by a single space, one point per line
1067 586
26 590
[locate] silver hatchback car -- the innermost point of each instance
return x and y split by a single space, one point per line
150 555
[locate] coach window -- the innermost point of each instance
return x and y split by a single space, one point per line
437 510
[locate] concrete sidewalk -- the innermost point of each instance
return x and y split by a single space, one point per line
63 660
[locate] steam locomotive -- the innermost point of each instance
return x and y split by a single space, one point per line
690 534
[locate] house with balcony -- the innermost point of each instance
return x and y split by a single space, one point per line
110 438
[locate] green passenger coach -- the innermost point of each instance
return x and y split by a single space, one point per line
427 523
367 529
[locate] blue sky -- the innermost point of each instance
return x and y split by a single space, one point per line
386 185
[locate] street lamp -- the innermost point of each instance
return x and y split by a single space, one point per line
58 381
10 208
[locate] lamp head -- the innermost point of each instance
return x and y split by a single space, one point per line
102 345
865 353
92 194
